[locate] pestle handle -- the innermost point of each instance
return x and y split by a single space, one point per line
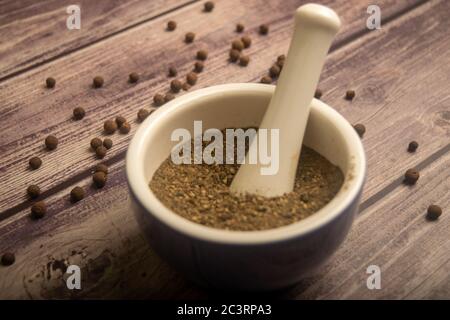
288 110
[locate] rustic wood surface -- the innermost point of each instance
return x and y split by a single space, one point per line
400 74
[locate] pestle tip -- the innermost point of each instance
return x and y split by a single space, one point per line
319 15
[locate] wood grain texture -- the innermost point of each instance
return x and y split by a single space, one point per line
101 234
30 112
33 32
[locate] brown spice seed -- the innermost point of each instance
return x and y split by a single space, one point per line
209 6
33 191
411 176
202 54
133 77
433 212
281 57
186 86
240 27
172 72
263 29
50 82
237 45
244 60
97 82
266 80
274 71
8 258
247 41
318 94
95 143
76 194
108 143
171 25
101 152
125 128
189 37
169 96
234 55
51 142
38 210
101 168
198 66
99 179
110 126
350 94
78 113
175 85
191 78
412 146
360 129
35 163
158 99
280 63
120 121
142 114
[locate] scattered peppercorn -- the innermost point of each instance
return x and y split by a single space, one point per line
171 25
101 168
142 114
247 41
50 82
234 55
191 78
266 80
133 77
99 179
263 29
433 212
158 99
33 191
189 37
108 143
240 27
101 152
202 54
198 66
98 82
360 129
186 86
95 143
76 194
318 94
281 57
169 96
120 121
411 176
38 210
8 258
244 60
350 94
35 163
237 45
110 126
280 63
209 6
125 128
51 142
78 113
412 147
274 71
172 72
175 85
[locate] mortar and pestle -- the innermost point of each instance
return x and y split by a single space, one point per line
268 259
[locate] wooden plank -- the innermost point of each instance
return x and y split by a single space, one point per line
30 112
101 225
35 32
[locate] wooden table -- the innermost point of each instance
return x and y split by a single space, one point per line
401 77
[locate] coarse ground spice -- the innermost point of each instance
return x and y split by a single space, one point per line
35 163
200 193
33 191
107 143
38 210
95 143
8 258
50 82
78 113
51 142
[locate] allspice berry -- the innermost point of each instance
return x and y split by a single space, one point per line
142 114
191 78
120 121
100 152
158 99
108 143
274 71
189 37
360 129
198 66
99 179
133 77
76 194
172 72
33 191
171 25
433 212
110 126
280 63
175 85
237 45
209 6
244 60
38 210
125 128
186 86
318 94
97 82
234 55
411 176
50 82
263 29
101 168
240 28
95 143
78 113
350 94
35 163
169 96
412 146
202 54
51 142
8 258
247 41
266 80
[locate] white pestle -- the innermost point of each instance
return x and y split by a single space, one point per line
288 110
